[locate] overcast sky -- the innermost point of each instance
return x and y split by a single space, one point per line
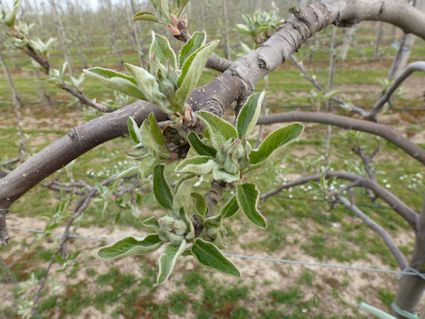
92 3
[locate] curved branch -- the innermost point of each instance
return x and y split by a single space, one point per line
396 12
408 214
399 256
415 66
383 131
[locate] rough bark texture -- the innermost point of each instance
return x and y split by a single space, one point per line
78 141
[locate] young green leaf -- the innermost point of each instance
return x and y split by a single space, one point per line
197 40
156 130
11 18
161 50
161 189
219 130
168 260
130 246
162 7
274 141
145 16
221 175
181 4
153 139
116 81
149 86
192 70
151 222
242 28
200 147
197 165
231 208
200 205
134 131
210 256
249 113
247 196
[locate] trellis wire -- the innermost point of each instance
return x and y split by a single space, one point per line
292 262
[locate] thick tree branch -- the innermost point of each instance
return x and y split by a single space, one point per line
383 131
386 237
215 62
408 214
396 12
78 141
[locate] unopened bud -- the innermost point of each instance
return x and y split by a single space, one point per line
174 20
174 31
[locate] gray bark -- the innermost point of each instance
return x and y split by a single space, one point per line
411 288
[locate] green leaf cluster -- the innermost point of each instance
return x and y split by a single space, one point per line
165 11
169 79
225 151
149 139
9 18
261 25
176 232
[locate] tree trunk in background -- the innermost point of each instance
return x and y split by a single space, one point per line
17 106
78 35
332 70
61 34
227 50
411 288
135 32
403 54
113 41
379 37
349 34
43 95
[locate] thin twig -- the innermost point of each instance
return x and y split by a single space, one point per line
408 214
81 206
